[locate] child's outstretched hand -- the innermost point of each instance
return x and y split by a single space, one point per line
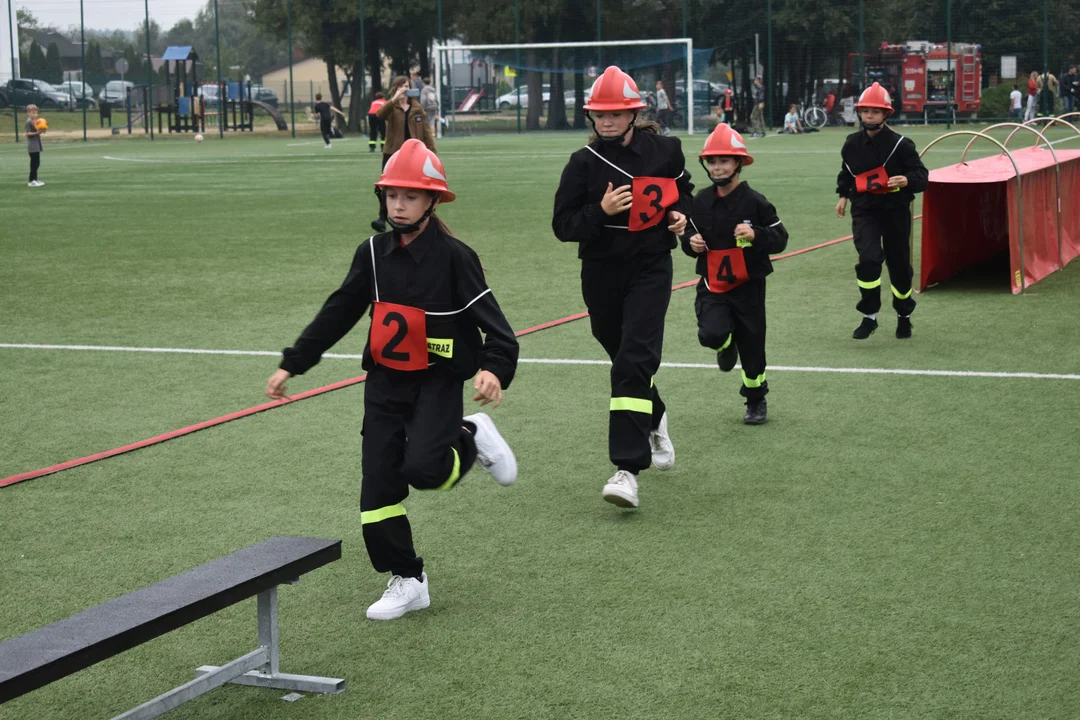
697 243
275 386
488 389
677 222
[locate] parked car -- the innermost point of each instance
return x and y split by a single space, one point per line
115 93
510 99
570 97
75 90
210 95
264 95
25 91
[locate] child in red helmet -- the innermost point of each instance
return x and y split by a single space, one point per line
880 173
735 231
623 198
430 304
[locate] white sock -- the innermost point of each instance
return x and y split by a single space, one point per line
872 316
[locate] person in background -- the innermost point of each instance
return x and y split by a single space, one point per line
725 109
1016 104
663 107
33 143
792 124
757 117
1048 89
1070 89
376 125
324 110
417 83
430 102
1032 90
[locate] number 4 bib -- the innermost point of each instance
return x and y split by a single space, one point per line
727 269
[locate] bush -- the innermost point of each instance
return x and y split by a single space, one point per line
995 102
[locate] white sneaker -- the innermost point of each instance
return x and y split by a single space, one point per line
39 183
32 183
492 452
663 452
621 489
402 595
328 146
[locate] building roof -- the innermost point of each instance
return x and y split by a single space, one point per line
67 48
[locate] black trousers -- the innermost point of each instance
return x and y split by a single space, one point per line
413 436
376 130
883 236
736 317
627 303
35 163
324 126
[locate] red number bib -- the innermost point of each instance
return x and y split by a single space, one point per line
875 182
727 270
399 337
652 196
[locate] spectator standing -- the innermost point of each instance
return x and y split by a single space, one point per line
757 117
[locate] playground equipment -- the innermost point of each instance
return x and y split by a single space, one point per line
229 105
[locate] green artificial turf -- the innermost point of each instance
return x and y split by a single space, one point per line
888 546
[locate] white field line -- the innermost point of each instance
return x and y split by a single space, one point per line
566 361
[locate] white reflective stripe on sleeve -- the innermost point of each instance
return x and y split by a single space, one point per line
776 223
609 162
457 312
618 227
849 169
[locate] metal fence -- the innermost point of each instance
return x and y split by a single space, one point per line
943 61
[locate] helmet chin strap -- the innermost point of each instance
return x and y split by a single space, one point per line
613 139
724 181
411 227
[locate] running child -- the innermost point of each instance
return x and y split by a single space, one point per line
325 118
880 172
621 198
430 304
34 128
736 231
376 125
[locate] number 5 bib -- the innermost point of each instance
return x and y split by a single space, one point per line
875 182
727 269
651 197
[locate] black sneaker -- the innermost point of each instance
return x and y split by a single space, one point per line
866 329
903 327
756 413
727 357
380 226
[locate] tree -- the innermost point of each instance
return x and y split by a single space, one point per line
157 40
95 65
35 63
54 69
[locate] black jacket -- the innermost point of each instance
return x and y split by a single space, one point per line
897 153
436 273
578 216
715 218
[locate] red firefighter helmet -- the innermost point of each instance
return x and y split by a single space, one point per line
414 166
875 96
614 91
724 140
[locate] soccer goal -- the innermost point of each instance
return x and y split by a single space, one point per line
543 86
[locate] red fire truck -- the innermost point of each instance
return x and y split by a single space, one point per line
921 78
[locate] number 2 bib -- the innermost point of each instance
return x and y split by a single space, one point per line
727 269
398 338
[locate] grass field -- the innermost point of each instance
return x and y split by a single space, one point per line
888 546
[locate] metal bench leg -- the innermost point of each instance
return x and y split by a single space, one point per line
268 674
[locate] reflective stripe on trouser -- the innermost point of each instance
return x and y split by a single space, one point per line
627 303
882 236
412 438
738 315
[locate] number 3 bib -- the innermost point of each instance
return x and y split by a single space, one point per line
651 197
727 269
